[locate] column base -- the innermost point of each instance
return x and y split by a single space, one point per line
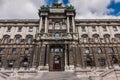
70 68
43 68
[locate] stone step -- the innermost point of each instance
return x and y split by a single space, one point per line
58 76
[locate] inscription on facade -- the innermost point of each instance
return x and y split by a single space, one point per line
57 10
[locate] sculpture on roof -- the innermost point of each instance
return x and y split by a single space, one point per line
57 4
70 7
43 7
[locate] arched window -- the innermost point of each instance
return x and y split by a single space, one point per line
57 26
117 36
88 61
11 63
57 35
6 39
17 38
114 60
85 38
29 39
107 38
96 38
25 62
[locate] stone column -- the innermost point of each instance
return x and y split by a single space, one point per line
73 24
40 24
65 55
68 25
46 23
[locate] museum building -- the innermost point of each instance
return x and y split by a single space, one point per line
59 42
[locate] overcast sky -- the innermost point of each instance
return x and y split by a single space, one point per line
86 9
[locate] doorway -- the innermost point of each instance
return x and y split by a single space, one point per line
57 63
56 57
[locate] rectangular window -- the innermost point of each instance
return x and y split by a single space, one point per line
17 40
50 27
14 51
9 28
87 50
83 28
30 29
85 40
29 40
19 29
104 28
111 50
1 50
93 28
26 50
96 40
114 28
99 50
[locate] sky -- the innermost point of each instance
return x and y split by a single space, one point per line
85 9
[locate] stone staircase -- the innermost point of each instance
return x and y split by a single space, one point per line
56 76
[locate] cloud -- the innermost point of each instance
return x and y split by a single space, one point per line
116 1
28 9
92 9
20 8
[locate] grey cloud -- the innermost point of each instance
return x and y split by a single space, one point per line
18 9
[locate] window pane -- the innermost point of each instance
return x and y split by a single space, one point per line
93 28
19 29
57 26
83 28
30 29
9 29
57 35
6 39
85 40
114 28
111 50
99 50
29 39
14 50
26 50
1 50
50 27
17 40
87 50
104 28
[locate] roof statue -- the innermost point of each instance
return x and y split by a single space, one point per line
43 7
57 4
70 7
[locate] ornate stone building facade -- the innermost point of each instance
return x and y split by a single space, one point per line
59 42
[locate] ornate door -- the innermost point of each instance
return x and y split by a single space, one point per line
57 63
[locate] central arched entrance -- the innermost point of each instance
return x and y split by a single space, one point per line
56 57
57 63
